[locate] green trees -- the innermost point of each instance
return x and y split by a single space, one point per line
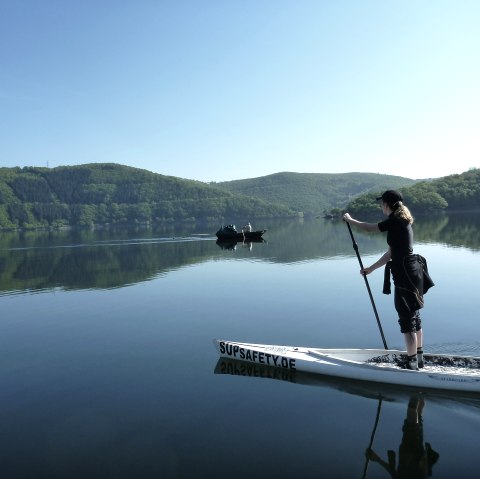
108 193
312 194
424 197
455 192
92 194
461 191
31 188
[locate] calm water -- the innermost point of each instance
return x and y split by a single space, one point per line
108 368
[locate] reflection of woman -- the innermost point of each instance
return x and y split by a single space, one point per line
408 270
415 458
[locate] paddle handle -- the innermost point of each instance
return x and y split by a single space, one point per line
355 247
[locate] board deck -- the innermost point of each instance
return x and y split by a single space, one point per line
461 373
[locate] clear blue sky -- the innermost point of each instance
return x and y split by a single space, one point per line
216 90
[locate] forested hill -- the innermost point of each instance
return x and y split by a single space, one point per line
314 193
450 193
110 193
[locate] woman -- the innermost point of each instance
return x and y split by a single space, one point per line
409 271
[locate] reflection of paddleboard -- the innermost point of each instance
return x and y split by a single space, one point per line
450 373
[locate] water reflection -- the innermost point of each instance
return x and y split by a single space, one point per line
460 230
366 389
416 457
104 258
103 264
231 245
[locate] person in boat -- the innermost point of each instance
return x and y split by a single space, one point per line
247 228
409 271
415 457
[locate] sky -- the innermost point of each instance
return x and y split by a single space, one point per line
217 90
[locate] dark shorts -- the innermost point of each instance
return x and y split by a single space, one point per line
410 324
409 319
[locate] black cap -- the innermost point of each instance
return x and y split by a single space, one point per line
391 197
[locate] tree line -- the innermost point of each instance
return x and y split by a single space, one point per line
109 193
450 193
314 193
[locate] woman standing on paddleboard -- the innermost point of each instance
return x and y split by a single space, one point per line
409 271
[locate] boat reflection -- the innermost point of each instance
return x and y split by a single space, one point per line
231 245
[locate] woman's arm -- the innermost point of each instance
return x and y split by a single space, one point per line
361 224
378 264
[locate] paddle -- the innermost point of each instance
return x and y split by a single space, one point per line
355 247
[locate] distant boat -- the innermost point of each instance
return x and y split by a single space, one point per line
229 232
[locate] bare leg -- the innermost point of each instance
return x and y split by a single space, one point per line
419 339
411 343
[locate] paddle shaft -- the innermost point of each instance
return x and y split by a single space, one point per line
355 247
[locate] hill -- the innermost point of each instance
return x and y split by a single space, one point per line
450 193
313 193
109 193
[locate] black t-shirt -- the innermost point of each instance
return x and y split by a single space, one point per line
399 236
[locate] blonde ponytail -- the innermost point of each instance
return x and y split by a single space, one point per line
402 212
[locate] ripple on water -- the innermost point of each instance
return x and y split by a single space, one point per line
457 348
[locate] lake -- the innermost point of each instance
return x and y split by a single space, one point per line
108 367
